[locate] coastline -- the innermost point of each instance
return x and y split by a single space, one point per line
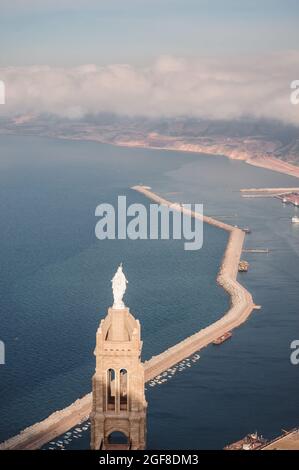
259 160
262 161
242 305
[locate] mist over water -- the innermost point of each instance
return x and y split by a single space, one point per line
55 287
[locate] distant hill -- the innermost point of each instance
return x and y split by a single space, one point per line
242 139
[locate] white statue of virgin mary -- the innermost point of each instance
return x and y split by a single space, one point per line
119 285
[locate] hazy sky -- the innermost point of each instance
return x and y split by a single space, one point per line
74 32
205 58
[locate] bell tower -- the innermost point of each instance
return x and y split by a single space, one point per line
118 417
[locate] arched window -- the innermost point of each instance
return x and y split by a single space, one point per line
118 437
111 389
123 379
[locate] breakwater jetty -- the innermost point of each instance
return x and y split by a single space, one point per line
289 440
241 300
269 190
241 307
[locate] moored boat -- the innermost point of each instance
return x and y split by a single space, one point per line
223 338
250 442
243 266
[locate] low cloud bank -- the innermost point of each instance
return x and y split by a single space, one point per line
225 88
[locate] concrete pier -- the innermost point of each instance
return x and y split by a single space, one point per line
269 190
241 307
288 441
241 300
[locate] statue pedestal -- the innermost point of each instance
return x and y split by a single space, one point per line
118 330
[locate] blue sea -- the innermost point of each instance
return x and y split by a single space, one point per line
55 287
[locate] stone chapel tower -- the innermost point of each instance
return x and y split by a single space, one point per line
118 417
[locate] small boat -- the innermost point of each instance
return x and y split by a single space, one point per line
243 266
295 219
223 338
250 442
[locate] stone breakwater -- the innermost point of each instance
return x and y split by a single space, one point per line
241 307
288 441
241 300
37 435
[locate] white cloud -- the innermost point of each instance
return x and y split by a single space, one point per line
203 87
